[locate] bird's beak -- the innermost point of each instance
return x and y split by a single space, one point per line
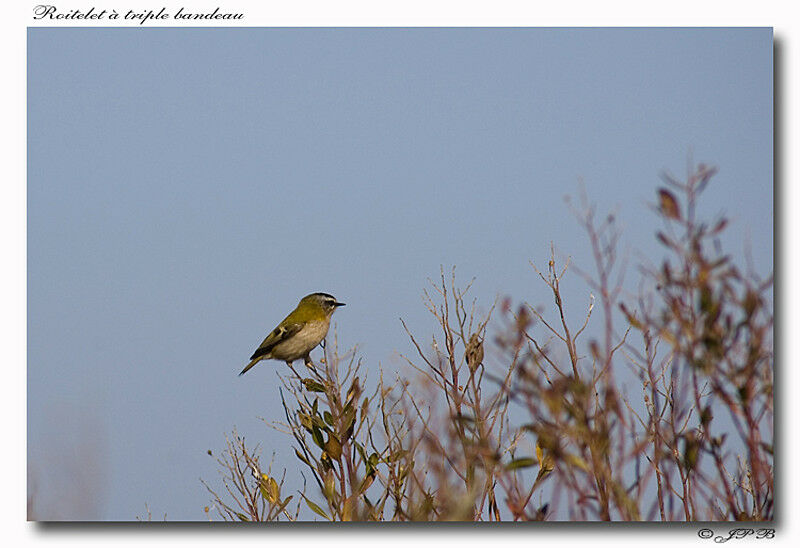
338 304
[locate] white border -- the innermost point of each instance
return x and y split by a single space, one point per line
777 14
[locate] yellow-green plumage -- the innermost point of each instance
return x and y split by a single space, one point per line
299 333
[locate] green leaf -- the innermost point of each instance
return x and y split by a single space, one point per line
320 423
264 492
316 434
274 490
329 487
283 504
523 462
302 457
305 421
328 418
270 489
371 463
361 451
316 509
350 422
313 386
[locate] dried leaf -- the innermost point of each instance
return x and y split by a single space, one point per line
333 447
668 204
474 352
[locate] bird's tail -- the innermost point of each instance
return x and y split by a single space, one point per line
249 365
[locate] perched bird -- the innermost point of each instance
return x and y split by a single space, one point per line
299 333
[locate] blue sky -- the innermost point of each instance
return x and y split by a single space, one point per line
187 186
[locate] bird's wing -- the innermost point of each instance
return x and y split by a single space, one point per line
277 336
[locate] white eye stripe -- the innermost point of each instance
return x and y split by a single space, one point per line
325 299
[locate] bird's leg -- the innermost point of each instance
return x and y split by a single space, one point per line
289 363
310 366
324 359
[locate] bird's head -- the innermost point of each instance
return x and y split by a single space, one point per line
319 303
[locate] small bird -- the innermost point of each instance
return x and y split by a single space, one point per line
299 333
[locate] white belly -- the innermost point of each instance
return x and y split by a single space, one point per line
301 343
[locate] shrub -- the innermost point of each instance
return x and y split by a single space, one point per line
664 414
